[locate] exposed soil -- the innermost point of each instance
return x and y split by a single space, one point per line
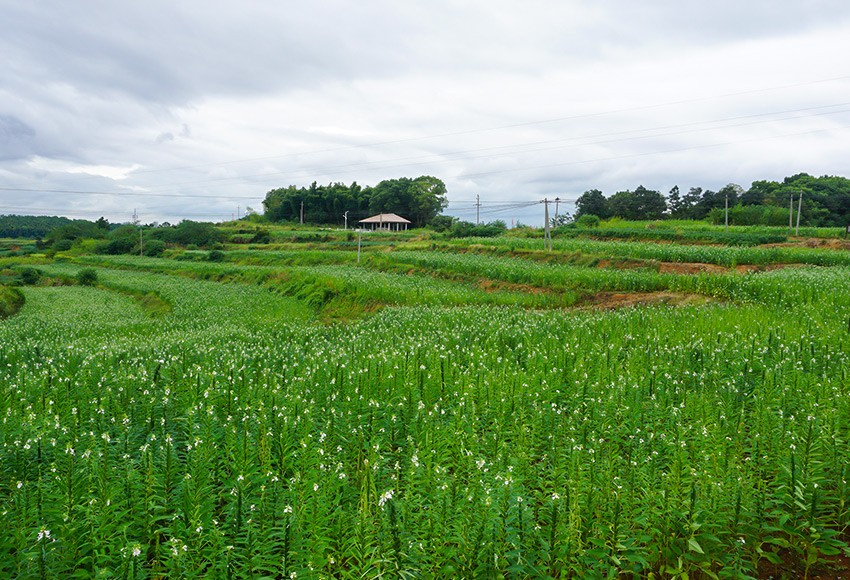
700 268
489 285
614 300
829 244
690 268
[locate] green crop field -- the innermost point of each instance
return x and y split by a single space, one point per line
474 409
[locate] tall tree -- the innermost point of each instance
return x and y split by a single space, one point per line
593 202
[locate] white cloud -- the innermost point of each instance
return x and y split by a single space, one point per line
503 100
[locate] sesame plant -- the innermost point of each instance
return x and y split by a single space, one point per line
236 436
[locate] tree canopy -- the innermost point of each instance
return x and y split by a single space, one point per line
420 200
826 202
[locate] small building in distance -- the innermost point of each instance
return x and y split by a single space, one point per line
385 221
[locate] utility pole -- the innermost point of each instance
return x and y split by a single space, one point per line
791 215
302 211
557 201
359 235
799 211
547 235
141 252
477 209
727 211
345 217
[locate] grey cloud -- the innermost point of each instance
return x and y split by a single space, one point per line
16 138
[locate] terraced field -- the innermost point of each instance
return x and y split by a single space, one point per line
429 411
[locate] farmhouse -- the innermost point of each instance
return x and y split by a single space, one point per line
385 221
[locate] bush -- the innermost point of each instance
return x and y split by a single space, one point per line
87 277
216 256
11 300
120 246
463 229
63 245
588 221
30 276
153 248
261 237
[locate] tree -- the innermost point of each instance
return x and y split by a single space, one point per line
594 203
428 199
674 202
650 204
419 199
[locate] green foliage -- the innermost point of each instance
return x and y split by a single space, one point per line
463 229
588 220
442 223
592 202
27 226
11 300
63 245
420 200
153 248
87 277
30 276
216 256
750 215
489 439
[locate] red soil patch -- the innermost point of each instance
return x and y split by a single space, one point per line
700 268
614 300
829 244
488 285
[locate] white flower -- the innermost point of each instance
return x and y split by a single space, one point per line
385 497
44 534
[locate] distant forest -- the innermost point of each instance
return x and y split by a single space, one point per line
32 227
826 202
420 200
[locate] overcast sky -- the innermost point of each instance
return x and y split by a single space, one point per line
196 109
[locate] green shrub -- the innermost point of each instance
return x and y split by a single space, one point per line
154 248
11 301
216 256
63 245
30 276
588 221
87 277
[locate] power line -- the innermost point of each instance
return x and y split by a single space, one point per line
466 154
127 193
648 153
507 126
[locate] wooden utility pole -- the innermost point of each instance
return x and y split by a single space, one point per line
791 215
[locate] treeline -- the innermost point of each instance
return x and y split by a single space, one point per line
826 202
31 226
420 200
101 237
